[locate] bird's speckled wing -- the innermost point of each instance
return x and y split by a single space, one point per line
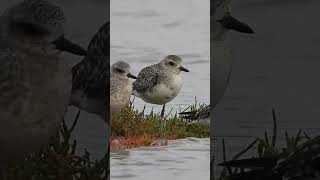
147 78
90 77
94 68
100 43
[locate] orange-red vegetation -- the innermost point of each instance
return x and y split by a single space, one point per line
137 141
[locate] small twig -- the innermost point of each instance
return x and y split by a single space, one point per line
266 138
224 150
297 138
306 135
274 137
225 157
235 157
168 113
75 122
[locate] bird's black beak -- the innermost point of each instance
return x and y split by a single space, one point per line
131 76
232 23
183 69
68 46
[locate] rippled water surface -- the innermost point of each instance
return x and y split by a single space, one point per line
182 159
276 67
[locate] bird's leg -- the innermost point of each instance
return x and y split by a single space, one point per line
162 122
162 111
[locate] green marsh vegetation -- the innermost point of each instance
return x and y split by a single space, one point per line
297 159
58 160
131 122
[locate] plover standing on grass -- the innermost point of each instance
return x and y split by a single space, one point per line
160 83
220 48
34 85
121 87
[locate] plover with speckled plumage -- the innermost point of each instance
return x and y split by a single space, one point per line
90 77
220 48
34 79
121 87
160 83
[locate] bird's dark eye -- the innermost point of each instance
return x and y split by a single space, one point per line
171 64
120 71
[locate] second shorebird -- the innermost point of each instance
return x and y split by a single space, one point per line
121 87
160 83
90 77
221 54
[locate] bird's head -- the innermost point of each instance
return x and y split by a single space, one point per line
122 69
39 23
174 64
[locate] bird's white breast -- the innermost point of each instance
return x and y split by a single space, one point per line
165 91
222 66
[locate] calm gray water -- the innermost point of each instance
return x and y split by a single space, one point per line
181 160
142 33
80 27
277 67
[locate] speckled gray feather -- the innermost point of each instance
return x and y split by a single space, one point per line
147 78
95 66
91 76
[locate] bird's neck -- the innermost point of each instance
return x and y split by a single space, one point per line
219 32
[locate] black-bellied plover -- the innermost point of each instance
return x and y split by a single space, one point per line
90 82
220 49
34 86
160 83
121 87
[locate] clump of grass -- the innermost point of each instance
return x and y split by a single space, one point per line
132 123
58 160
298 159
196 111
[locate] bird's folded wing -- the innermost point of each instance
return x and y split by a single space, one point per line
94 68
147 78
91 75
100 43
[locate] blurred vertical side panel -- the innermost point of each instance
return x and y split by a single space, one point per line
54 89
212 88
